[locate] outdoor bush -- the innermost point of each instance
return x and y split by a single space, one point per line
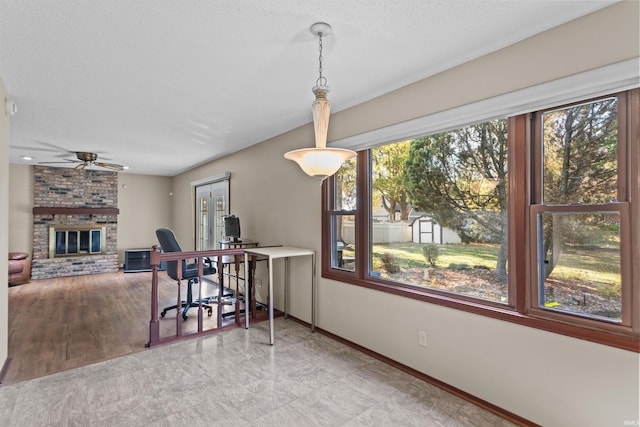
390 263
485 231
430 252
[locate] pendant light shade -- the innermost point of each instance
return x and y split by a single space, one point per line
320 161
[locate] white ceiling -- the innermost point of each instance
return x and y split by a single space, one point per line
164 85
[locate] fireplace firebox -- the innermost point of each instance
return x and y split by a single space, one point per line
76 240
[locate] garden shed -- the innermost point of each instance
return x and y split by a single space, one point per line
424 229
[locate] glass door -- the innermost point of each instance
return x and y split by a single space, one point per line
211 206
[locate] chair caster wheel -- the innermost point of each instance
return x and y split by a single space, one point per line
210 312
185 317
163 313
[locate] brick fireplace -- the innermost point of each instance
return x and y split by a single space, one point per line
70 199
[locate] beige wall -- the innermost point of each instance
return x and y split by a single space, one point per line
276 202
143 200
583 44
21 208
547 378
4 225
145 205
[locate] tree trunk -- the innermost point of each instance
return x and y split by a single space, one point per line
392 210
501 264
556 245
404 211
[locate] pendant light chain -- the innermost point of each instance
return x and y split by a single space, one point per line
322 81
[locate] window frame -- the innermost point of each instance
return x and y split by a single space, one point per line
621 206
519 308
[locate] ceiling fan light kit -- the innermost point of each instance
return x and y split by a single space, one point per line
320 161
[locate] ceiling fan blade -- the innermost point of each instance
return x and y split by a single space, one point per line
45 150
52 147
109 166
81 166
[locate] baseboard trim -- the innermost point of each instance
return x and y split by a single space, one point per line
503 413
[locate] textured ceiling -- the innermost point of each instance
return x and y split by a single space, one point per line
164 85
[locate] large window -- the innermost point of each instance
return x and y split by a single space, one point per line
439 211
528 219
580 230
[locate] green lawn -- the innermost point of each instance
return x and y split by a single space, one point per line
410 254
601 267
595 265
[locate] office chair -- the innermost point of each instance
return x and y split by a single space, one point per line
168 243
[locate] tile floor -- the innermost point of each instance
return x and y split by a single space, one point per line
235 378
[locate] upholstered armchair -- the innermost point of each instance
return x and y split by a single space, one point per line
19 267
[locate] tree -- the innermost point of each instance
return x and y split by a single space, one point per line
460 177
580 154
346 184
580 166
388 181
346 198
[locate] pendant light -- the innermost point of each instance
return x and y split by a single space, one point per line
320 161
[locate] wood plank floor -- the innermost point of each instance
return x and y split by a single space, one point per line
64 323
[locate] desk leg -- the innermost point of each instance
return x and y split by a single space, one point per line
220 267
313 292
237 305
286 286
249 280
252 267
271 328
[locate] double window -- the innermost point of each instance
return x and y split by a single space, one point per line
531 219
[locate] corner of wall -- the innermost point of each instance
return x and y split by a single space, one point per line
4 228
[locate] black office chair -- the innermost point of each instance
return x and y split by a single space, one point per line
168 243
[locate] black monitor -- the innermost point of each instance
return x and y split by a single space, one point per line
232 228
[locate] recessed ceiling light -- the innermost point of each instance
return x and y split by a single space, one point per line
27 158
125 167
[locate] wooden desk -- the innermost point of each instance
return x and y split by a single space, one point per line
285 252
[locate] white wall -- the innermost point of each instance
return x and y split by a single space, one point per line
4 226
550 379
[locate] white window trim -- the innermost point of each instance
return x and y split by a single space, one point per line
589 84
226 176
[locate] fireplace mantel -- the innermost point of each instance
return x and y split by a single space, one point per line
75 211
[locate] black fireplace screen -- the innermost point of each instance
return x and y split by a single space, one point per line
77 241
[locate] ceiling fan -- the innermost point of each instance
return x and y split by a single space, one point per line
85 159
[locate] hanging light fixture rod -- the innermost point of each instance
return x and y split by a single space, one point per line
320 30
